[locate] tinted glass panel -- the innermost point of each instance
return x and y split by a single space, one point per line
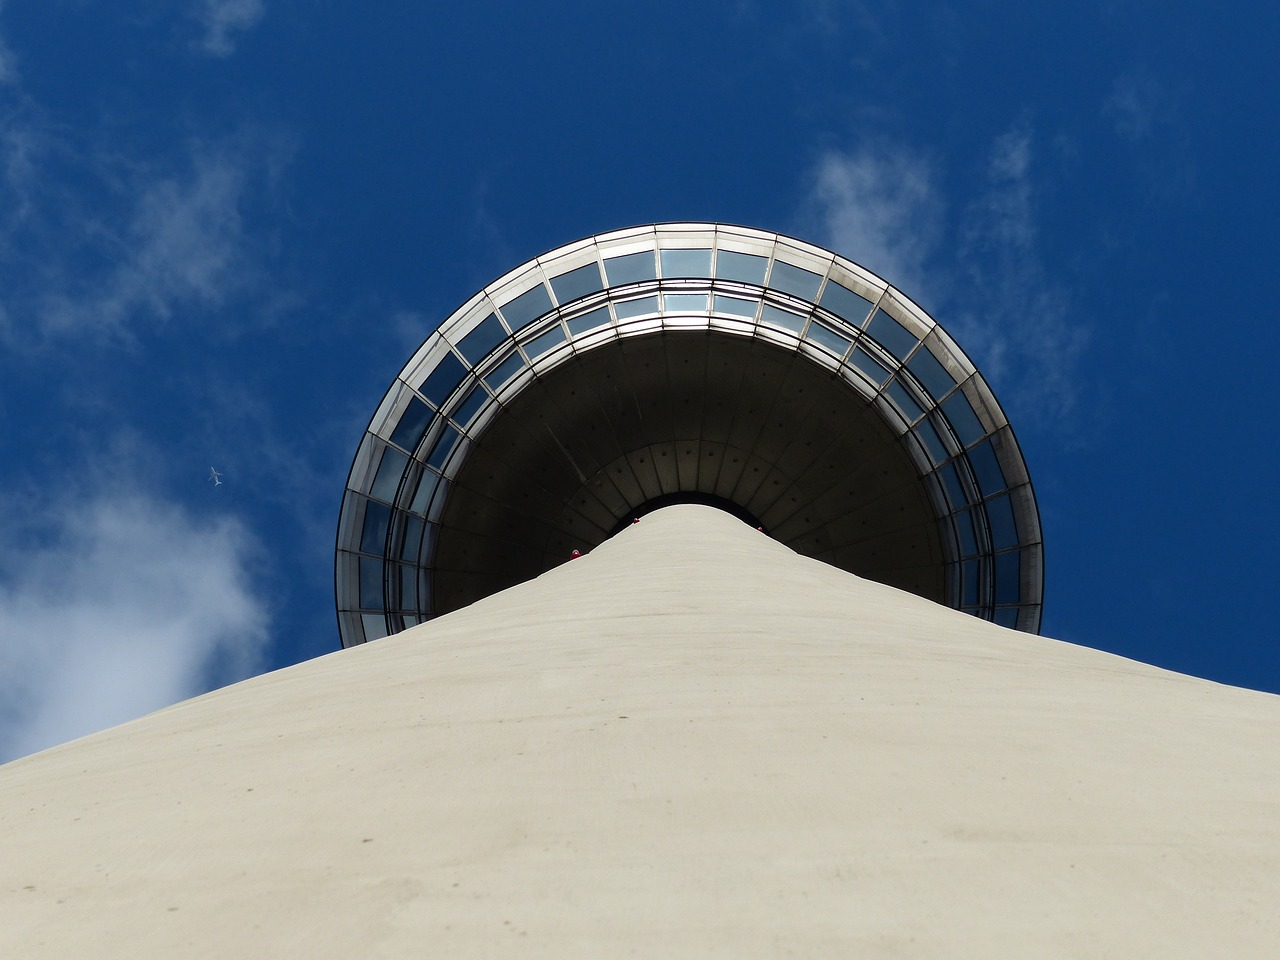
636 308
969 590
869 365
735 306
845 303
443 447
441 381
793 280
370 583
475 346
390 470
987 469
963 420
408 587
686 302
412 424
892 335
1008 585
527 307
375 626
589 321
577 283
412 539
955 488
505 371
541 344
902 400
426 487
373 538
631 268
828 338
685 263
469 407
1007 617
965 533
781 318
932 442
1003 532
931 373
743 267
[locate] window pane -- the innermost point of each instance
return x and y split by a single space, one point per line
685 263
932 442
1007 617
869 365
390 470
963 420
636 308
964 530
828 338
631 268
987 469
1003 531
589 321
544 342
743 267
527 307
685 302
412 424
931 373
1008 584
577 283
845 303
426 487
891 335
955 488
475 346
468 408
735 306
505 371
412 539
793 280
443 447
903 401
373 538
441 381
781 318
370 583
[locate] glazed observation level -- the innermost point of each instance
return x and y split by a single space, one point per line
686 362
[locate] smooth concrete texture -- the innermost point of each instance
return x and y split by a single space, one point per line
691 742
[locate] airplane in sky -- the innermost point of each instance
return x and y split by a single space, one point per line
215 476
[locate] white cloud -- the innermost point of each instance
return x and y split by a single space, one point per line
117 606
8 64
223 20
976 264
879 207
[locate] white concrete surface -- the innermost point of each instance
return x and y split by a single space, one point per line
690 743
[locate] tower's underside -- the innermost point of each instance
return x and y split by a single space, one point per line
689 742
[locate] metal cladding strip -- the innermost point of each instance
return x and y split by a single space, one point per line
671 280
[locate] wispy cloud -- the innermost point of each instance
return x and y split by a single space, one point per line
975 260
224 20
115 605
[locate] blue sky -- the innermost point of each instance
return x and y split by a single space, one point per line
225 224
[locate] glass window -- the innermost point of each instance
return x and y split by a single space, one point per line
412 539
390 470
795 281
1003 531
685 263
963 420
469 407
685 302
375 625
475 346
1008 577
373 538
931 373
843 302
743 267
589 321
527 307
626 309
824 337
932 442
630 268
444 446
408 587
970 571
412 423
505 371
441 381
903 400
891 335
869 366
987 469
544 342
734 306
426 487
577 283
370 583
954 486
777 317
1007 617
965 533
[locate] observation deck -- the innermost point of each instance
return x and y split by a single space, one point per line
686 362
